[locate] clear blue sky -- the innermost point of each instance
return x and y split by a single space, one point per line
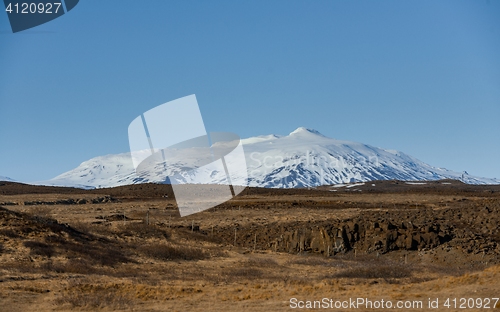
422 77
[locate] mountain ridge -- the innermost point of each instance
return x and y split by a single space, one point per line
304 158
6 179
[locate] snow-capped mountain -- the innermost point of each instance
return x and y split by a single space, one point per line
303 158
2 178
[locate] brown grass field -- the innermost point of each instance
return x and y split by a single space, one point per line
127 248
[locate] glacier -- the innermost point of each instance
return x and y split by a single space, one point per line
304 158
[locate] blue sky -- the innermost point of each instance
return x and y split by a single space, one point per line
422 77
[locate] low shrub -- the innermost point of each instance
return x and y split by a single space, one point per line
173 252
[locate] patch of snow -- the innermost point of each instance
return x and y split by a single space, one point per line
355 184
339 185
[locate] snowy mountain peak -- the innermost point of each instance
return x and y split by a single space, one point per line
305 158
305 131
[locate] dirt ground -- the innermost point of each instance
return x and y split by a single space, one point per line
127 248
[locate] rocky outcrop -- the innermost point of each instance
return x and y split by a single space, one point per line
71 201
472 230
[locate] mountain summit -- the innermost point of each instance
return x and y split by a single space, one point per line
305 131
304 158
